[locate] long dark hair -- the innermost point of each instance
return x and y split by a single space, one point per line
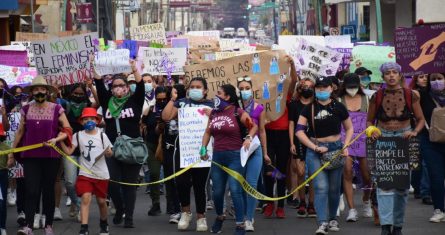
231 91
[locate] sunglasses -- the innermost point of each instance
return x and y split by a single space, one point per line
247 79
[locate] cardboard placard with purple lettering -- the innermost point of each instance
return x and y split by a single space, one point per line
269 72
163 61
421 50
151 32
65 61
17 75
11 57
358 148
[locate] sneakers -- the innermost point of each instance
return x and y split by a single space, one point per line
154 210
84 232
367 210
103 228
341 205
184 222
174 218
201 225
280 213
268 211
438 216
49 230
248 226
333 226
11 197
73 211
217 226
311 213
57 214
210 205
322 229
352 216
118 217
36 224
25 231
21 219
68 201
42 221
427 201
293 203
239 230
128 222
302 212
397 231
3 232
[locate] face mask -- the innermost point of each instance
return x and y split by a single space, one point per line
40 97
133 87
246 95
352 91
219 104
120 91
307 93
365 81
438 85
323 95
77 99
160 105
89 125
196 94
148 87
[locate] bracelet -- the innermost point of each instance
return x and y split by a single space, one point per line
248 137
203 151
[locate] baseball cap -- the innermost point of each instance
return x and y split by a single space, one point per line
351 80
362 70
323 81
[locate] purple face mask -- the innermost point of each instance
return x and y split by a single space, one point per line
220 104
438 85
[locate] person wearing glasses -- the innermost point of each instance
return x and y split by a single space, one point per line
119 104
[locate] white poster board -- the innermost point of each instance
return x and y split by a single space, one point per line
290 44
430 11
113 62
158 61
149 32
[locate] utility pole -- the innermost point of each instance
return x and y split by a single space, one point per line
275 22
32 15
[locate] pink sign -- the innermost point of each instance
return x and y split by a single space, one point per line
14 58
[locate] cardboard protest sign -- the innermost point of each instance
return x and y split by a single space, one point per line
358 148
315 60
202 43
13 57
389 159
421 50
112 62
229 54
161 61
215 34
17 75
372 57
29 51
269 72
150 32
230 44
64 61
192 124
20 36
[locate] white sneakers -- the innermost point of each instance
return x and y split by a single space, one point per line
352 216
174 218
367 209
184 222
248 226
57 214
201 225
322 229
3 231
36 224
11 197
333 226
438 216
68 201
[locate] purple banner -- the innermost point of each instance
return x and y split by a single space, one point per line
346 60
421 49
358 148
14 58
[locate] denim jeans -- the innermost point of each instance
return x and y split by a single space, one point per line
327 184
229 159
434 157
392 202
70 173
252 173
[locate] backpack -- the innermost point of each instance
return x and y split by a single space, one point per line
437 128
407 93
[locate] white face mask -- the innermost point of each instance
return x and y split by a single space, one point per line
352 91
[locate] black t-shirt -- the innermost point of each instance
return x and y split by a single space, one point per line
328 118
295 110
130 114
427 104
151 121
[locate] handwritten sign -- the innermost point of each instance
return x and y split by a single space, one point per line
151 32
229 54
372 57
421 50
180 42
390 161
29 51
230 44
113 62
17 75
358 148
10 56
64 61
192 124
338 41
21 36
153 58
215 34
268 70
346 60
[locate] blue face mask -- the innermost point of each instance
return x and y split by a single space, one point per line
148 87
89 126
322 95
246 94
365 81
196 94
133 87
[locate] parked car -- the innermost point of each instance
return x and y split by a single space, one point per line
241 33
228 33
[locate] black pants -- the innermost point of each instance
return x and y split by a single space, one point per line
169 169
40 177
278 151
4 187
20 191
123 196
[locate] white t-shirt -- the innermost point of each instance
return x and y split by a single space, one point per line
91 147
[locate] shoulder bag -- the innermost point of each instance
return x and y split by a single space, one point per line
129 150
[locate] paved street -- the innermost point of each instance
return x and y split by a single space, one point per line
416 222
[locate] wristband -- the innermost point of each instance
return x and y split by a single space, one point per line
203 151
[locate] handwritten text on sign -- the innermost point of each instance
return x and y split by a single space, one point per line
64 61
192 124
17 75
153 59
113 62
154 33
29 51
358 148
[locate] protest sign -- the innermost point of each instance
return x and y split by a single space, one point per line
389 159
229 54
180 42
210 56
29 51
113 62
372 57
358 148
346 59
202 43
151 32
17 75
192 124
14 56
20 36
215 34
230 44
64 61
338 41
290 44
269 73
171 34
161 61
421 50
315 60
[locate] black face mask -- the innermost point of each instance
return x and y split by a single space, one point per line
39 97
307 93
77 99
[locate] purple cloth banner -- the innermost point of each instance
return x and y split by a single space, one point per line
14 58
421 49
358 148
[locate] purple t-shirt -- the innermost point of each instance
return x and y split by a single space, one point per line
225 130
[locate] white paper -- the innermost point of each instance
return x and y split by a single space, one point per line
246 154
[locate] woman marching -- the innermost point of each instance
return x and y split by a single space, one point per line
392 110
324 118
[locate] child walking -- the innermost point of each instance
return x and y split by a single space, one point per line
93 145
